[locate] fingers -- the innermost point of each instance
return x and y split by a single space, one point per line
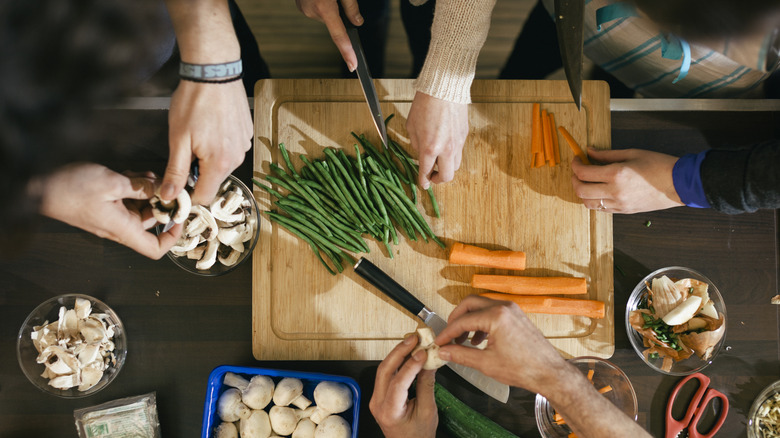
352 12
398 390
178 168
426 163
470 357
392 362
149 245
425 382
476 319
338 33
445 166
137 188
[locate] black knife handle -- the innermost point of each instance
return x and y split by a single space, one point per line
390 287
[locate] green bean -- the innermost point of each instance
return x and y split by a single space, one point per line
337 168
295 214
361 172
323 241
412 209
345 233
303 237
267 189
286 158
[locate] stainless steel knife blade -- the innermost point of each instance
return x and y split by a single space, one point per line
569 18
392 289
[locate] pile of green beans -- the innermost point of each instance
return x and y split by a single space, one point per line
332 202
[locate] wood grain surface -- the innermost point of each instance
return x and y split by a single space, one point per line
300 312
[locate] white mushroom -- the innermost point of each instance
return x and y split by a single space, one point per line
185 243
304 429
231 259
209 256
306 413
226 430
232 235
235 381
258 392
90 377
224 206
257 425
333 426
432 360
175 210
290 391
196 253
283 420
330 398
202 223
230 408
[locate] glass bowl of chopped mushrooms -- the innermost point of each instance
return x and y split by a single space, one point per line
219 237
606 378
764 415
676 320
71 346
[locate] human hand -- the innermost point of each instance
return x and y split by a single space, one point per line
630 181
437 131
107 204
327 11
516 354
394 412
210 122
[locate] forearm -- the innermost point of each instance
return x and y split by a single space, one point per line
587 412
459 30
204 31
743 180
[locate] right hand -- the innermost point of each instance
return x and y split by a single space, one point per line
437 131
516 354
327 11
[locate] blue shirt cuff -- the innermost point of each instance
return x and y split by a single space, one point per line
687 180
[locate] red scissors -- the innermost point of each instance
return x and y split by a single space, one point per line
696 409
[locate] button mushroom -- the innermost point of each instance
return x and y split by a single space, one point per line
432 360
175 210
330 398
290 391
257 425
259 392
333 426
226 430
283 420
235 381
304 429
230 408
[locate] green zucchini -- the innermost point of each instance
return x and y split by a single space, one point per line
462 421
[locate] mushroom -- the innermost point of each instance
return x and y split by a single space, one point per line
201 223
224 207
304 429
235 381
226 430
256 425
290 391
283 420
209 256
432 360
258 392
330 398
333 426
175 210
230 408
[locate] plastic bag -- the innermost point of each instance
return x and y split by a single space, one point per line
131 417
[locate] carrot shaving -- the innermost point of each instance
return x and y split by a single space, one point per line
554 135
536 134
575 147
549 155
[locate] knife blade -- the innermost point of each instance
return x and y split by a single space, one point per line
569 18
366 83
392 289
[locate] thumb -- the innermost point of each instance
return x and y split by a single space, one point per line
178 169
609 155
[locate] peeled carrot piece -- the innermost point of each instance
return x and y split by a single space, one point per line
463 254
590 375
536 134
549 156
553 305
520 285
605 389
573 145
554 133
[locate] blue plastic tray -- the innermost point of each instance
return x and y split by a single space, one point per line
310 380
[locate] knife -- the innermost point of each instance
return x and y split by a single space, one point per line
569 18
392 289
366 83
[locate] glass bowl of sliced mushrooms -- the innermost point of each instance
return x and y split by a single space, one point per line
71 346
676 320
219 237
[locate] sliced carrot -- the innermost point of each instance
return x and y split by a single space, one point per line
553 305
554 132
575 147
557 417
549 156
463 254
519 285
536 134
605 389
539 160
590 375
571 435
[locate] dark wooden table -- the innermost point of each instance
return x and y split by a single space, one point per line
181 326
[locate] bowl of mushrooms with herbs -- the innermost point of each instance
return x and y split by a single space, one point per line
71 346
218 237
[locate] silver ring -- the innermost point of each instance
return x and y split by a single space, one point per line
601 206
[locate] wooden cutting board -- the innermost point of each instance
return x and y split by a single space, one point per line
301 312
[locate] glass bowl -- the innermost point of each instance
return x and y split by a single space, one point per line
694 363
219 268
605 373
754 426
49 311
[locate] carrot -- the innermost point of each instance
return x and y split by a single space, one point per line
573 145
558 418
554 134
605 389
552 305
571 435
536 134
518 285
549 157
463 254
590 375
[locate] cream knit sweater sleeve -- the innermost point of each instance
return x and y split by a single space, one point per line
459 30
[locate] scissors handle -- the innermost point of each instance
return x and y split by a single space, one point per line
674 426
710 395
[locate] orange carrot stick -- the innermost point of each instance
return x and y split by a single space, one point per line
463 254
518 285
605 389
549 157
554 133
573 145
590 375
536 133
553 305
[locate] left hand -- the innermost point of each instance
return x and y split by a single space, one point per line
437 131
107 204
629 181
398 416
210 122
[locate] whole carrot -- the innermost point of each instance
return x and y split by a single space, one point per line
519 285
463 254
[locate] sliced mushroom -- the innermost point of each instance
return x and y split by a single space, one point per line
224 206
209 256
175 210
